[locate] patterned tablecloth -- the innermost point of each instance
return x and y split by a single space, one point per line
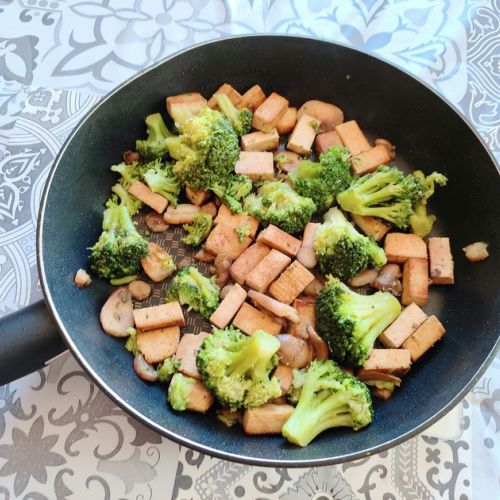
60 437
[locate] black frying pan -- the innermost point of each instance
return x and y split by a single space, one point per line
388 103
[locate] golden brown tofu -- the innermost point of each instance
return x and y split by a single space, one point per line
280 240
440 261
326 113
302 137
285 375
258 165
209 208
371 226
266 419
403 327
287 122
286 161
306 310
327 140
192 103
225 216
230 91
229 306
395 361
187 351
267 270
196 197
291 283
370 160
249 319
198 397
352 137
151 318
158 263
415 282
247 261
183 213
143 193
224 239
260 141
399 247
252 98
269 113
158 345
426 335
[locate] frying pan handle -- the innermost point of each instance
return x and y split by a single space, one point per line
28 338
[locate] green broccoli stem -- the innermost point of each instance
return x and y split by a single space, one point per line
157 130
310 418
174 146
227 107
123 281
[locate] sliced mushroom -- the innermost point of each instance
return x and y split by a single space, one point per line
144 369
82 278
209 208
364 278
155 223
318 344
139 289
224 291
388 279
366 375
203 256
274 306
186 261
184 213
327 114
384 394
307 257
294 352
476 252
313 288
117 313
130 157
222 264
390 148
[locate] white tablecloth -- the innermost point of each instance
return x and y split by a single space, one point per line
60 437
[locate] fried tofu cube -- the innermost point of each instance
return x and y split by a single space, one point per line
267 419
285 375
151 318
371 226
209 208
187 351
185 104
267 270
440 261
252 98
225 216
269 113
183 213
287 122
158 263
327 140
160 344
370 160
229 306
352 137
403 327
306 310
395 361
291 283
249 319
399 247
258 165
230 91
415 282
143 193
197 197
198 397
286 161
302 137
280 240
223 238
426 335
247 261
260 141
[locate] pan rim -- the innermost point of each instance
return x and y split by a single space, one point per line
135 413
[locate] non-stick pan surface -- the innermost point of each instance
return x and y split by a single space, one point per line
387 103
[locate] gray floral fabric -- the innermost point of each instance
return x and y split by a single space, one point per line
60 437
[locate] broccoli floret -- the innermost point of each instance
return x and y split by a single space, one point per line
131 343
161 180
277 203
243 232
124 197
293 393
342 251
208 150
350 323
329 398
129 173
196 291
179 391
240 119
198 230
120 248
236 367
386 193
232 191
166 370
421 222
154 147
322 181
